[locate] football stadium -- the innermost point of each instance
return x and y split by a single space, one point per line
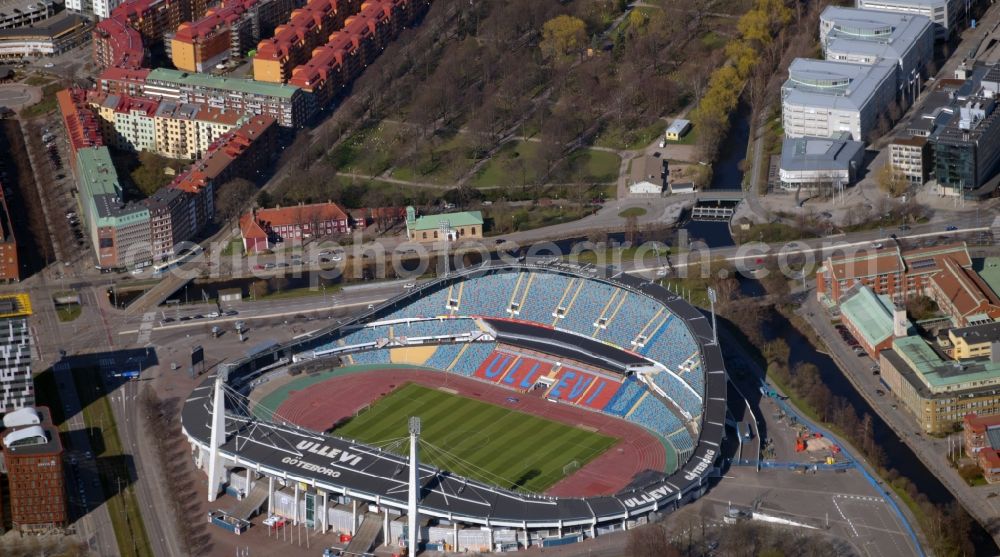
549 402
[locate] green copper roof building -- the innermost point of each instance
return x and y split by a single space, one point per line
445 226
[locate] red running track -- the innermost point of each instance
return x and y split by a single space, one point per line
322 405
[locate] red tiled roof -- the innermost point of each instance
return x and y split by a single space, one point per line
966 290
300 214
123 44
215 18
250 228
991 457
979 424
80 122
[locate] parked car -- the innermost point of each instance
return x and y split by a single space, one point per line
951 228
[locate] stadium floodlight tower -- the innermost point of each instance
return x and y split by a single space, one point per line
411 510
711 301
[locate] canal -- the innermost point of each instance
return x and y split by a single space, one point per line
726 175
898 455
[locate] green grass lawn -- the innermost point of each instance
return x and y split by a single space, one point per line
517 163
486 442
44 106
67 312
632 212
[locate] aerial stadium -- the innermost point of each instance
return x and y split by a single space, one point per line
549 402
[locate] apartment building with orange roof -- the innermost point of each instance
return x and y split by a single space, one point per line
229 30
293 43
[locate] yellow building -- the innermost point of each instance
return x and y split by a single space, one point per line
975 341
198 46
271 70
937 391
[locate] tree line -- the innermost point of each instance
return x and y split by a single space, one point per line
754 52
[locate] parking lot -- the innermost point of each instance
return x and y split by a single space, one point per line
59 194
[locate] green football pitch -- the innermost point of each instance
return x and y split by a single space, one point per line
483 441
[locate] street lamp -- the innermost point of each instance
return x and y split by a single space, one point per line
711 301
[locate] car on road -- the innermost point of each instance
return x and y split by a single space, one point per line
168 320
409 285
877 245
213 315
951 228
904 227
185 318
49 65
232 312
137 271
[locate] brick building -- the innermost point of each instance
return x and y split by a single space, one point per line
889 270
33 459
262 228
981 436
10 268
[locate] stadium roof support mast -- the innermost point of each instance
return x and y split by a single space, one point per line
218 435
411 511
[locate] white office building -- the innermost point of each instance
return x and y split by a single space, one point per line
867 36
819 163
943 14
100 8
822 98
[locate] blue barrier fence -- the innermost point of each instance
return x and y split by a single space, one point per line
787 408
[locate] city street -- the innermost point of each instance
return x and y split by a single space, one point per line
82 483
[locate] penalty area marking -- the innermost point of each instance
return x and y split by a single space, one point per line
447 390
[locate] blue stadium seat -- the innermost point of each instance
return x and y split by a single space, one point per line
474 355
630 391
682 441
678 393
653 415
371 357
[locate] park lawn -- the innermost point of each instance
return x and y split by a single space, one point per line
445 165
504 168
630 138
516 164
483 441
593 166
